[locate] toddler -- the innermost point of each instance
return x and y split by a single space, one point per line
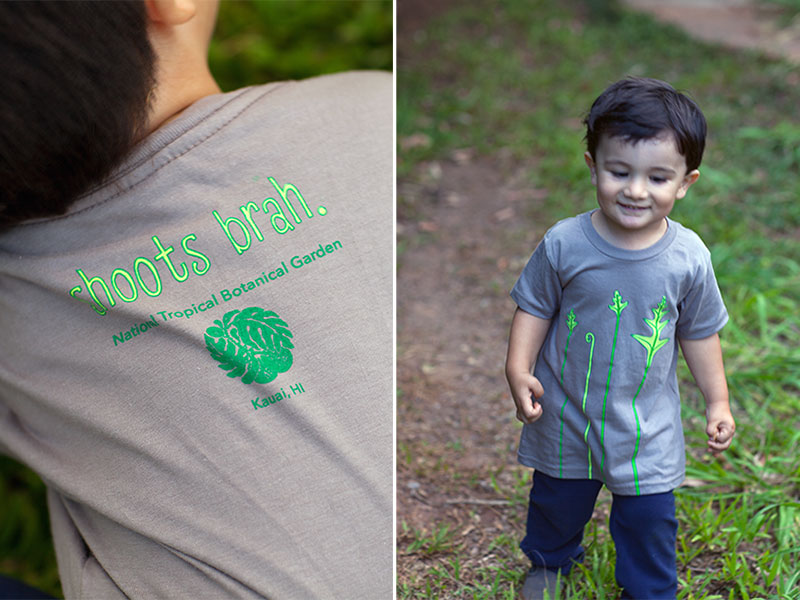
603 304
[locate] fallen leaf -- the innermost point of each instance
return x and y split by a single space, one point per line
504 214
428 226
692 482
416 140
453 199
463 156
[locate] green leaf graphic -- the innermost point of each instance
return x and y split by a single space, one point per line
617 305
254 344
651 342
571 322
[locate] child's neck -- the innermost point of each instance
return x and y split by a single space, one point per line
627 239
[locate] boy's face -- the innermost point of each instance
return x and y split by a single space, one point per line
637 184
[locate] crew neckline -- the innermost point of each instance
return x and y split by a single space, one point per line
189 118
192 127
609 249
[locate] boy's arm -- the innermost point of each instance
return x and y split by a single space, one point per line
524 342
704 358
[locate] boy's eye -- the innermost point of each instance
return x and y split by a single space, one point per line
656 179
619 173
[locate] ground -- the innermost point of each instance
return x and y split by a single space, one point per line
736 23
455 423
465 230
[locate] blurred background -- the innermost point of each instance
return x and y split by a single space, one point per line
255 42
273 40
490 100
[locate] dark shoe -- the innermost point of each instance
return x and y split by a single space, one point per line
537 582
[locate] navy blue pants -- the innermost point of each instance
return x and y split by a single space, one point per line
644 529
16 590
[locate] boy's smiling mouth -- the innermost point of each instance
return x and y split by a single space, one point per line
632 206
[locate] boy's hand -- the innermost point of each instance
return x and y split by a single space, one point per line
704 357
720 427
524 341
525 388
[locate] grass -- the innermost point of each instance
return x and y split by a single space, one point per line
440 540
514 79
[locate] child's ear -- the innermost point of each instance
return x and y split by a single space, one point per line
170 12
687 182
587 156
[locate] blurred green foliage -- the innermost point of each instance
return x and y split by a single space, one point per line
26 551
786 14
254 42
793 5
257 42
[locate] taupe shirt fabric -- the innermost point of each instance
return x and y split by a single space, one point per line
225 428
611 401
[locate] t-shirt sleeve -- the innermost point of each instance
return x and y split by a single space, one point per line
702 311
538 289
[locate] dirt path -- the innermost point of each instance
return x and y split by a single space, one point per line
735 23
456 433
454 420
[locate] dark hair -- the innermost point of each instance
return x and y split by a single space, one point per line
639 108
76 81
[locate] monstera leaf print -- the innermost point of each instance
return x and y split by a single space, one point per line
254 344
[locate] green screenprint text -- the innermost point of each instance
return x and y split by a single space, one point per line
147 275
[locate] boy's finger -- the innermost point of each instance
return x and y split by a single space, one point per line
524 406
717 449
717 445
530 413
720 432
537 389
724 435
536 412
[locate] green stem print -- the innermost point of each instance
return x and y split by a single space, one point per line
571 324
652 343
617 306
589 340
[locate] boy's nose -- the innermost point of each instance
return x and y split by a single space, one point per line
636 189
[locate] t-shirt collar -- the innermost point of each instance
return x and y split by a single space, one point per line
622 253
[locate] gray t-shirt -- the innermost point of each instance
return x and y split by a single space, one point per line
197 357
611 407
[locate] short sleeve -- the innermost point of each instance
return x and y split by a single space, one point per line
538 289
702 311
